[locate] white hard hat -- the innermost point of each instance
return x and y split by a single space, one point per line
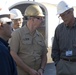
5 19
5 15
4 11
62 7
17 13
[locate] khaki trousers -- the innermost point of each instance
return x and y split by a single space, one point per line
66 68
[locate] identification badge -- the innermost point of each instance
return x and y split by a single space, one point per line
69 53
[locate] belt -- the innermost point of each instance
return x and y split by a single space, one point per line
71 60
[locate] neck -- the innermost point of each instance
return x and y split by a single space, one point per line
71 23
3 38
31 29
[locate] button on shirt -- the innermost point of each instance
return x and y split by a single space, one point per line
29 48
65 39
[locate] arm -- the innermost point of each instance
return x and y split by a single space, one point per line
15 46
55 49
22 65
43 63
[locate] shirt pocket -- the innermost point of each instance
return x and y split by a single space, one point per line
26 44
40 41
27 40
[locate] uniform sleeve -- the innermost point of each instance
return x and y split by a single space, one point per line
45 50
15 41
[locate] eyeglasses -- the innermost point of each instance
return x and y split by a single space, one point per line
9 23
39 18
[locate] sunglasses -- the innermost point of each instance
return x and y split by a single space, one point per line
39 18
9 23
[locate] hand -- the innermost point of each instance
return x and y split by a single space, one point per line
40 71
33 72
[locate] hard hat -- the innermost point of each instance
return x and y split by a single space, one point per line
62 7
4 11
17 13
33 10
5 19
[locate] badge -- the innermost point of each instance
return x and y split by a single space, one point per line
69 53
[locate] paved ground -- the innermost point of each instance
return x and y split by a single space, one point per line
50 69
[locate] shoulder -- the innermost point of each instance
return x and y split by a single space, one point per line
60 27
17 32
39 34
2 47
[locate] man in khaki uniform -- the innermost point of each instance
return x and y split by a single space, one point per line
27 44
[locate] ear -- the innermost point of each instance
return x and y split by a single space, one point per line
1 25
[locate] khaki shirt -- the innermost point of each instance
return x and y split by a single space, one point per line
29 48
